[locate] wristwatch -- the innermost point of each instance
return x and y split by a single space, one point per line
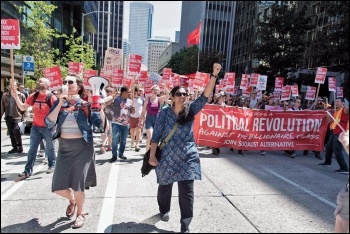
214 76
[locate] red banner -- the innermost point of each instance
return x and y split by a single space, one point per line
55 77
10 35
246 129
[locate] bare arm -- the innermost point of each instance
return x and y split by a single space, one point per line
53 115
212 81
22 106
344 139
143 113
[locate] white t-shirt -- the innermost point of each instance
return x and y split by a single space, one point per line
253 103
138 103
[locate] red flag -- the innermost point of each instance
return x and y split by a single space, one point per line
194 37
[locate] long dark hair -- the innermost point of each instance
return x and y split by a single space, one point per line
184 115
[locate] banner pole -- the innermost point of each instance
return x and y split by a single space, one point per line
334 101
318 89
330 115
12 69
198 59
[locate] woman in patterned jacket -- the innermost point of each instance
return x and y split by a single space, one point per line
179 157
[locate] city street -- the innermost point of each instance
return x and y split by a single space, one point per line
251 194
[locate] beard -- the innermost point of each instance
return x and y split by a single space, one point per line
40 87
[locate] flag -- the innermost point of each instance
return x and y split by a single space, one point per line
194 37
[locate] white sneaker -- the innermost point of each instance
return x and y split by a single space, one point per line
263 152
45 161
41 153
50 170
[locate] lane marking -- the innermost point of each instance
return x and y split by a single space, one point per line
303 189
107 212
18 184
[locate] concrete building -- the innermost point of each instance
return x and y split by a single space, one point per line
109 31
126 48
166 55
156 47
217 26
140 28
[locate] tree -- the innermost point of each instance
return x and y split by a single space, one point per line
38 35
186 61
281 39
75 52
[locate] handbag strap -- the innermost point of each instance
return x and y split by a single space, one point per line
168 137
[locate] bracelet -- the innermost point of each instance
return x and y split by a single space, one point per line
214 76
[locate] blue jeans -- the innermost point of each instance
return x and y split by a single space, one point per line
36 136
334 146
119 134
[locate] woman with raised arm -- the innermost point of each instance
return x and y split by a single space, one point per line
179 158
75 165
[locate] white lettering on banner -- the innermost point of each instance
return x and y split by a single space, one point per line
260 124
208 132
293 124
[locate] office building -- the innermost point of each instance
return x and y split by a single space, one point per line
140 28
156 47
177 36
166 55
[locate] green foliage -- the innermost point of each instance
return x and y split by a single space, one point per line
38 35
281 39
186 61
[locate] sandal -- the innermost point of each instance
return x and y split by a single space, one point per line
79 221
71 209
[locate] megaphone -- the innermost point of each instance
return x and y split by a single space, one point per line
98 85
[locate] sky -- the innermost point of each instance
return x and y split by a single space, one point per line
166 18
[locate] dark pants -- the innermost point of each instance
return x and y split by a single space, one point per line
13 129
186 197
334 146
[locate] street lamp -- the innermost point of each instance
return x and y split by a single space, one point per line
82 27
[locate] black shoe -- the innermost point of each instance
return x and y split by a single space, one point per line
325 164
24 175
215 151
342 171
20 150
122 157
137 149
240 152
231 149
318 155
164 217
112 160
306 152
14 150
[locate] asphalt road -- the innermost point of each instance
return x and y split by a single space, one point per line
237 194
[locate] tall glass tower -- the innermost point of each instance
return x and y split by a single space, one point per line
140 28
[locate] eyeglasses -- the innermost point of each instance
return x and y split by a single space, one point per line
298 101
178 94
69 82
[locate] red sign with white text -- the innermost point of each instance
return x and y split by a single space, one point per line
332 87
295 90
285 95
244 82
87 75
10 34
117 78
230 78
254 78
201 80
246 129
54 76
166 74
279 81
134 65
310 93
340 92
320 75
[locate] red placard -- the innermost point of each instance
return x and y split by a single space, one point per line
254 77
87 75
340 92
246 92
246 129
55 77
143 77
10 34
295 90
244 82
176 79
117 77
332 87
201 80
230 78
320 75
166 74
279 82
285 95
134 65
75 68
148 86
310 93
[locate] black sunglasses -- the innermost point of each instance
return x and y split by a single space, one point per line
69 82
178 94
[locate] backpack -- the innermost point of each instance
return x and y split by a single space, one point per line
48 99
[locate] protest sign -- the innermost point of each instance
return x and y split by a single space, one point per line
54 76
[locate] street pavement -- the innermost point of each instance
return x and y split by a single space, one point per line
237 194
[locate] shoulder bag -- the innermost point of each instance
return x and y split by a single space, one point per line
146 167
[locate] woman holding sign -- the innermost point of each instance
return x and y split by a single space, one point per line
179 158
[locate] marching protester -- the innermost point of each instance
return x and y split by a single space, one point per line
341 115
41 101
122 108
179 158
342 211
135 130
22 90
75 168
106 137
13 116
151 107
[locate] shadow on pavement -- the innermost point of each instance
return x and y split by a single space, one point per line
33 226
145 226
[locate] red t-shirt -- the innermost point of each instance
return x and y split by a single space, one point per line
40 110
